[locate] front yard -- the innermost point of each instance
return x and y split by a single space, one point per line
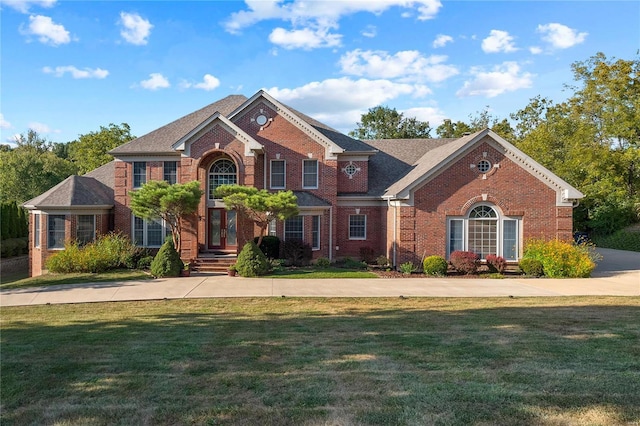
324 361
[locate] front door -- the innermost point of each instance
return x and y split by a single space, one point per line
222 229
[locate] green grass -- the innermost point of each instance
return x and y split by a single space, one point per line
18 280
311 272
620 240
415 361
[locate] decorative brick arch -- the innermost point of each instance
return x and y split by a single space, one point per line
208 158
485 198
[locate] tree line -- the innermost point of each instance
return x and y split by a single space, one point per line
591 140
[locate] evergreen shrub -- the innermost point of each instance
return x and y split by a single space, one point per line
270 246
251 261
323 262
435 265
167 262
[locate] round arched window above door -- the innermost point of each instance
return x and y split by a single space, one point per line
221 172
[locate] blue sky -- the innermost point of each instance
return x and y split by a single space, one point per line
69 67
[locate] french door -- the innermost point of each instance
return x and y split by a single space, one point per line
222 231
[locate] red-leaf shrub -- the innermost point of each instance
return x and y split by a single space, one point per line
466 262
496 263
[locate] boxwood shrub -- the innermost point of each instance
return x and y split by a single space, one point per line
435 265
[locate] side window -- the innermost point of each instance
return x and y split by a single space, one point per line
278 173
139 173
170 171
357 227
310 174
55 235
315 232
36 230
293 228
85 229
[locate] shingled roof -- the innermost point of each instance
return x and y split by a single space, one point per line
160 141
95 189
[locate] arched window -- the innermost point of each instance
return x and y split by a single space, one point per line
222 172
484 231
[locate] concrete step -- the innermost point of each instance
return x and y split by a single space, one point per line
213 264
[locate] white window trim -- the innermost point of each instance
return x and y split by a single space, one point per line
499 235
36 230
272 228
284 234
365 227
313 222
210 194
317 174
49 247
166 231
284 177
164 164
93 237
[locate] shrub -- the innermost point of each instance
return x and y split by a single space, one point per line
562 259
383 260
407 268
323 262
251 261
435 265
496 263
466 262
349 263
296 252
167 262
621 240
270 246
367 254
111 251
145 262
14 247
532 267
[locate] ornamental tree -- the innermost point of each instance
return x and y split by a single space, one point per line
160 200
258 205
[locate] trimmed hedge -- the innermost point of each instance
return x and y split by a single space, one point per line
167 262
435 265
251 261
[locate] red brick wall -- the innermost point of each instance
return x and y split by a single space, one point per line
376 231
358 183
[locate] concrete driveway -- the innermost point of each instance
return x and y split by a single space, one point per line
618 274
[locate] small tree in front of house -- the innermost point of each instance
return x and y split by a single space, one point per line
172 203
167 262
258 205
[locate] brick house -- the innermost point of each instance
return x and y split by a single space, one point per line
401 198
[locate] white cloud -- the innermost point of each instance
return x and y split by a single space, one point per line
156 81
325 100
208 83
370 31
560 36
406 65
76 73
41 128
503 78
46 30
498 41
441 40
23 6
433 115
535 50
4 124
304 39
313 21
135 29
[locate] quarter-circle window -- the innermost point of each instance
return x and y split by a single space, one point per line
221 172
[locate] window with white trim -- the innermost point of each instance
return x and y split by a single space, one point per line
484 231
357 227
85 228
149 233
221 172
170 172
273 227
310 174
36 230
139 173
278 174
315 232
55 229
294 229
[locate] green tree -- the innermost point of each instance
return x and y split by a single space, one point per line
258 205
90 150
481 120
386 123
167 262
30 169
172 203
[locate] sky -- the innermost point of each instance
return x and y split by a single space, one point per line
69 67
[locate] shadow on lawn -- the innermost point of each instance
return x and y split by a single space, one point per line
358 362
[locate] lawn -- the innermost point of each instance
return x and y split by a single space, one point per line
414 361
20 281
312 272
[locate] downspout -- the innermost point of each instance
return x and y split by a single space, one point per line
330 233
393 243
264 172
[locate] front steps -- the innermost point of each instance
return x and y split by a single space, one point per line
217 263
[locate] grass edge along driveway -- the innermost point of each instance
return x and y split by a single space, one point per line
550 361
